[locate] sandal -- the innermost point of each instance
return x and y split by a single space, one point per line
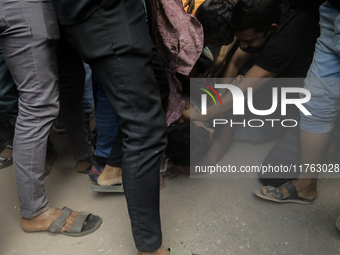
93 222
293 195
112 188
6 161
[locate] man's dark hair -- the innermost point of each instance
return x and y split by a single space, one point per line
179 136
256 14
215 17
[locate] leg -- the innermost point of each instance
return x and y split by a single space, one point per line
112 172
28 38
323 83
8 93
8 110
107 130
38 102
88 94
119 50
71 89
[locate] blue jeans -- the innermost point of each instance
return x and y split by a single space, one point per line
323 76
106 120
88 94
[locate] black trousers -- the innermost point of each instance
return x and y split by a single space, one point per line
71 89
116 44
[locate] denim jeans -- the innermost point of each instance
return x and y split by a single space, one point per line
106 120
88 93
323 78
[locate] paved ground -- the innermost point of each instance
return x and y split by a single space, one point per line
205 216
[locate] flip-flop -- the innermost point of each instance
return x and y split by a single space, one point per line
179 252
293 198
113 188
6 161
93 222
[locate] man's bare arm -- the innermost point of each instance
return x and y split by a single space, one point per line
237 62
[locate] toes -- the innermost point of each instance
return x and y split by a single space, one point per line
69 222
264 190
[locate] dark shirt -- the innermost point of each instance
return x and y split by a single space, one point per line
335 3
72 12
289 52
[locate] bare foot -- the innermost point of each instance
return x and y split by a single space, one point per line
44 220
83 165
160 251
306 189
110 176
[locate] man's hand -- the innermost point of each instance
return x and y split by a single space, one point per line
190 113
190 4
237 80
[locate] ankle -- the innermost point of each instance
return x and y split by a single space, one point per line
113 171
38 222
306 183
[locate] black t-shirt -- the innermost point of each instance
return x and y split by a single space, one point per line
72 12
289 52
335 3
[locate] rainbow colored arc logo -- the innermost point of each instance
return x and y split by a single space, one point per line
208 92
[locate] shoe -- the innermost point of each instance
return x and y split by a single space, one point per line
58 125
6 161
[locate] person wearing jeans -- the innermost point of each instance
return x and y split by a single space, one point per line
28 37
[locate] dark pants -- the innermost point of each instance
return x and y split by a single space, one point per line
116 44
9 94
116 154
71 90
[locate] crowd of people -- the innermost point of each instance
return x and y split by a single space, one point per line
140 57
